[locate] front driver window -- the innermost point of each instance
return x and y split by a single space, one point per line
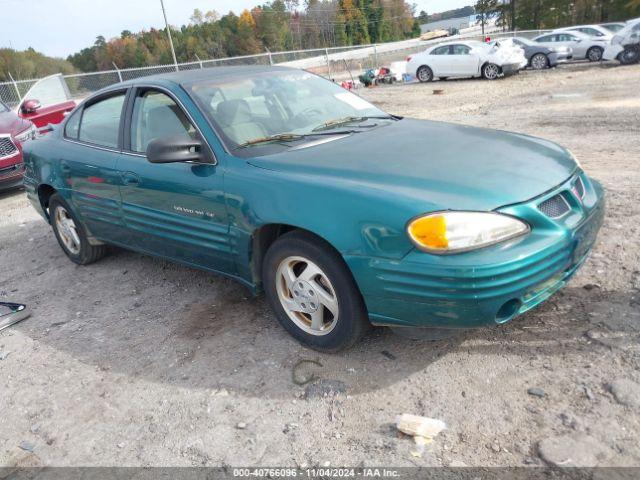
156 115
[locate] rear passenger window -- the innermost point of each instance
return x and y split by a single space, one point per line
72 126
100 122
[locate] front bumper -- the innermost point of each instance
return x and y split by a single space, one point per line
612 52
11 177
487 286
511 68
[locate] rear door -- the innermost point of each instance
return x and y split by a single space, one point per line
88 163
440 62
176 210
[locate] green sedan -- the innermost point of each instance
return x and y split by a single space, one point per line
343 215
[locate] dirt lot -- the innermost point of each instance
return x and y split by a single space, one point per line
136 361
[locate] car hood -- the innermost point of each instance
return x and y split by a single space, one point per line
439 165
12 123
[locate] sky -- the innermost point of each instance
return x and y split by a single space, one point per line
61 27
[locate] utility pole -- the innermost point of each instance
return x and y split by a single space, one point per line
173 51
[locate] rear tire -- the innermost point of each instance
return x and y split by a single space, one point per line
424 74
594 54
490 71
71 234
312 293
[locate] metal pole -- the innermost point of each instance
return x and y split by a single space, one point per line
15 85
375 56
199 61
118 70
270 59
173 51
326 53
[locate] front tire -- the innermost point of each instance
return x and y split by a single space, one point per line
539 61
490 71
424 74
312 293
630 55
594 54
71 234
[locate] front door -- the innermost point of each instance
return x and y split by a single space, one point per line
176 210
463 62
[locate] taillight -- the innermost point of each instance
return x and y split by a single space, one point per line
408 59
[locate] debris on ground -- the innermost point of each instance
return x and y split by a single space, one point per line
422 429
536 392
4 355
299 379
27 446
12 313
324 388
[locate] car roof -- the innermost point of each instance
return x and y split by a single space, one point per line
189 77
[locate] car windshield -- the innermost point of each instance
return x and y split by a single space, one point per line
523 41
280 106
613 27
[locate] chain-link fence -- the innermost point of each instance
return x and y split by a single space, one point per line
337 63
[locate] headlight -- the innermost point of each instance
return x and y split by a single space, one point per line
28 134
455 232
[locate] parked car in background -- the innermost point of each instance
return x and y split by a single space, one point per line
539 56
614 27
625 45
344 215
466 59
13 132
47 102
583 46
596 31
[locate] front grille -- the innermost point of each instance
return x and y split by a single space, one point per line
578 188
7 147
555 207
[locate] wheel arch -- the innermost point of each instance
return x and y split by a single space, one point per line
45 192
264 236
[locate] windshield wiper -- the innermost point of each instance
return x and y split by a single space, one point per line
289 137
352 119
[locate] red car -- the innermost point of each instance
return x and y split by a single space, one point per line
13 131
16 128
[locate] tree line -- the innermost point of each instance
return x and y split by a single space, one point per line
276 26
549 14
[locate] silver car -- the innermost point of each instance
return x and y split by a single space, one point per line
583 46
596 31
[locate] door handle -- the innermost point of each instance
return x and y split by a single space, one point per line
131 179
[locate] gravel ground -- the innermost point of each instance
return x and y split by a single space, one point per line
136 361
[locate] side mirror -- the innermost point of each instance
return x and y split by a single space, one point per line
30 106
176 148
11 313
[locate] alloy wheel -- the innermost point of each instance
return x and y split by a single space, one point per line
67 230
595 54
424 74
307 295
491 71
539 61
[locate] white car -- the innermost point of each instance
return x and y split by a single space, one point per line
614 27
583 46
625 45
596 31
466 59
